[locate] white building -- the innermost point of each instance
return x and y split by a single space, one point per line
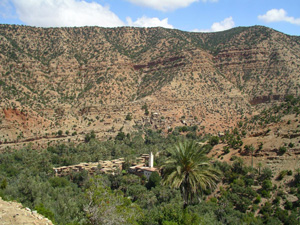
144 170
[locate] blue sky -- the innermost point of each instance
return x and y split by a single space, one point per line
187 15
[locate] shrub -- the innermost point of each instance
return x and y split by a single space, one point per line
266 174
154 180
276 201
280 193
41 209
183 129
267 185
226 149
249 149
293 190
120 136
191 135
267 208
214 140
258 199
59 133
128 117
89 136
249 181
244 133
282 150
254 208
58 182
265 194
233 158
145 107
282 174
288 205
3 184
260 146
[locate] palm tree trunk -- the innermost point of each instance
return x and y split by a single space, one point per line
185 192
184 196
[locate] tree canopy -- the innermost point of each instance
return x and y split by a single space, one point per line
189 169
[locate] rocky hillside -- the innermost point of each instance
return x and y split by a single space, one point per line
270 139
15 213
75 80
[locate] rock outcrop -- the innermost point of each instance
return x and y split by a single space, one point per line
15 213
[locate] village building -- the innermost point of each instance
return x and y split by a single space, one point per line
112 167
141 169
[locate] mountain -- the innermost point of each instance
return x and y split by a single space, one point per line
75 80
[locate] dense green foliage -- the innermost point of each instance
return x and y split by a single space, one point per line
27 176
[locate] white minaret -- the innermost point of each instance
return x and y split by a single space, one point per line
151 160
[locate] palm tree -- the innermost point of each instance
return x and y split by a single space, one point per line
259 167
189 170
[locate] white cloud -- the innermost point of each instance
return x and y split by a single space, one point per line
61 13
70 13
166 5
226 24
5 9
278 15
149 22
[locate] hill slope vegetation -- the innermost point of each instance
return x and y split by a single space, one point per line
90 78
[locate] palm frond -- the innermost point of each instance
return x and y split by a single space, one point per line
189 169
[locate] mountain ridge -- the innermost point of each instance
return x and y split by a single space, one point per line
66 78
